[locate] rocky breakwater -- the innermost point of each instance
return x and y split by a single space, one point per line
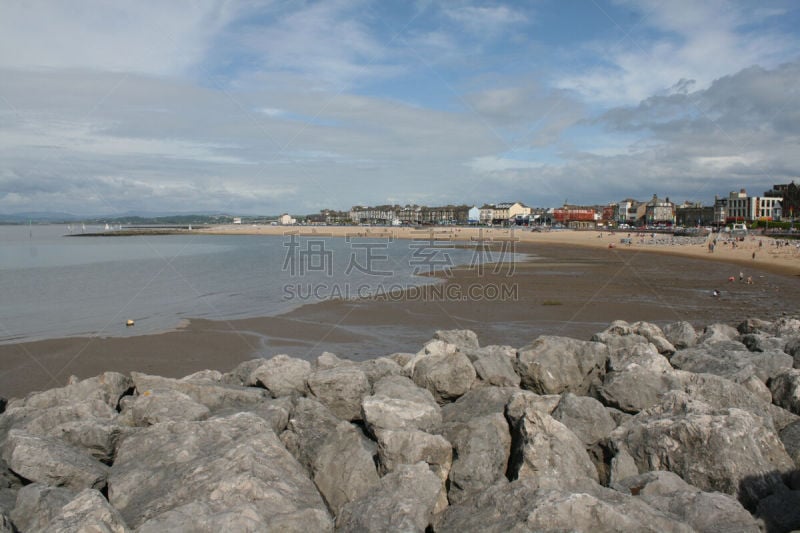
638 429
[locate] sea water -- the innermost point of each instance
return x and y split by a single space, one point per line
55 285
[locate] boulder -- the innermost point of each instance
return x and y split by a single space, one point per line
703 511
543 447
213 395
523 401
585 417
50 460
636 388
153 406
754 325
496 369
328 360
793 348
376 369
731 361
281 375
88 511
757 342
481 450
464 339
447 376
307 430
681 334
230 470
240 375
343 468
275 411
716 333
108 388
552 365
643 355
399 404
38 504
480 402
790 437
341 389
574 505
654 335
404 501
408 447
786 327
693 439
785 389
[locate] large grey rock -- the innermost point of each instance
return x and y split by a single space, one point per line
704 511
108 388
481 450
586 417
728 361
716 333
681 334
785 388
463 339
377 369
212 394
552 365
404 501
480 402
642 354
496 369
790 437
755 325
152 406
399 404
52 461
231 468
240 374
341 389
786 327
654 335
281 375
574 505
307 430
275 411
328 360
408 447
38 504
88 511
545 448
793 348
344 469
447 376
693 439
523 401
758 342
636 388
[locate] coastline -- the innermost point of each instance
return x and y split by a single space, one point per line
564 290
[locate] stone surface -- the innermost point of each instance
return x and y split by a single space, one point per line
785 389
52 461
404 501
636 388
281 375
717 332
88 511
408 447
543 447
447 376
231 468
586 417
343 468
307 430
399 404
681 334
38 504
707 512
552 365
213 395
496 369
377 369
108 388
481 451
790 437
153 406
693 439
341 389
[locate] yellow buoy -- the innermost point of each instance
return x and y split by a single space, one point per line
129 323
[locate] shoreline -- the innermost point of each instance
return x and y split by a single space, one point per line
565 290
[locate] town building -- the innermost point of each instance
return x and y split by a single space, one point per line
286 220
744 208
576 217
690 214
658 212
474 215
504 213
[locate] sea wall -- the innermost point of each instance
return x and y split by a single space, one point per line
638 429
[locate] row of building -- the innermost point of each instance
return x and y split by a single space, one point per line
778 203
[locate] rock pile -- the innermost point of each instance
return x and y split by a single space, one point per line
638 429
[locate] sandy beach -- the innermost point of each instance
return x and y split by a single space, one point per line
768 256
573 286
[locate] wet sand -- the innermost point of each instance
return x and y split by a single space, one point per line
566 290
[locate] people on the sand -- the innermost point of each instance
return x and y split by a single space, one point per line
715 293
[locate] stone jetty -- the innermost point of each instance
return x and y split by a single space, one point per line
639 428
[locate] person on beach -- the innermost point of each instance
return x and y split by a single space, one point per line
741 276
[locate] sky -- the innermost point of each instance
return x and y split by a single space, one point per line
264 107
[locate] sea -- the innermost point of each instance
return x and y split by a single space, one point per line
56 282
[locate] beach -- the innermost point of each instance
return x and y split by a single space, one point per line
574 286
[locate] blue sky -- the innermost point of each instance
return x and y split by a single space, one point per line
266 107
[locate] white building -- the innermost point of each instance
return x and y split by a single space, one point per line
750 208
474 215
286 220
237 220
